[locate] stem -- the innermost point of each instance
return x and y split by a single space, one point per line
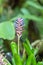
23 57
23 52
18 44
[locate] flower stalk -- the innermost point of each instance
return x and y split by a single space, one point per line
19 28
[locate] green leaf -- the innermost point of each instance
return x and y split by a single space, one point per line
40 63
13 48
28 47
7 30
13 61
23 57
25 11
33 17
17 59
32 4
31 60
28 62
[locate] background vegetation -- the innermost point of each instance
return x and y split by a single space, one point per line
10 10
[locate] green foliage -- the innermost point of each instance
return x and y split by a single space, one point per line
7 30
30 10
40 63
18 60
13 48
28 47
16 57
31 60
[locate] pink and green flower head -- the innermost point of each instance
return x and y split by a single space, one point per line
19 26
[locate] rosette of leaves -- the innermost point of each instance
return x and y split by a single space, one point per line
18 60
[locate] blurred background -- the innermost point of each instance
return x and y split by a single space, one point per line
32 13
27 9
